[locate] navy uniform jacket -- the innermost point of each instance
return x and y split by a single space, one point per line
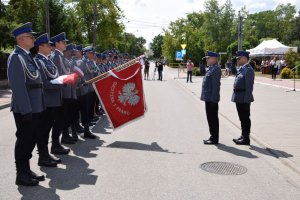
211 85
243 85
97 70
81 88
25 82
90 73
72 63
59 60
106 66
52 92
110 65
101 68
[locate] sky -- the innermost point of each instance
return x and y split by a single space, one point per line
147 18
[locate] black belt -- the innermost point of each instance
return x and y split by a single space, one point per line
35 86
238 90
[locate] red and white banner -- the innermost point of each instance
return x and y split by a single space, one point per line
121 94
70 79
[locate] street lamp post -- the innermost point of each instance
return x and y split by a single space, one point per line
47 19
240 32
95 25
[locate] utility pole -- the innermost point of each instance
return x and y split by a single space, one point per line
240 32
95 24
47 19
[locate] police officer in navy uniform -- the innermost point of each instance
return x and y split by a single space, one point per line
105 62
91 73
78 59
60 125
211 95
53 99
27 102
83 91
88 67
73 113
242 95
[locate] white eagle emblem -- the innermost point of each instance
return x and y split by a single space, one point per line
129 95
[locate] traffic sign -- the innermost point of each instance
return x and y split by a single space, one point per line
178 55
183 46
183 52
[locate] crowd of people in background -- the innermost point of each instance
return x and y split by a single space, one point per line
274 65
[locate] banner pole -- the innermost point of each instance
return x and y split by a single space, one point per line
116 68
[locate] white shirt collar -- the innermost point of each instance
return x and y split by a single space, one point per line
44 56
28 52
61 53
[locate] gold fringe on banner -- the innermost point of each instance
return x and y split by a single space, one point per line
118 68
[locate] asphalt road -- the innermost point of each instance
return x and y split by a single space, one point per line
156 157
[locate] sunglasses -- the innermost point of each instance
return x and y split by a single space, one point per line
29 36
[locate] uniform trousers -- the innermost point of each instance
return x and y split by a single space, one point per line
57 125
47 122
244 116
91 104
83 103
213 119
27 130
69 112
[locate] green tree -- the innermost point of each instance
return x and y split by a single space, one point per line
291 58
26 11
107 15
5 28
156 46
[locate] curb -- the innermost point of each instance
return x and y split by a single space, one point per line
4 106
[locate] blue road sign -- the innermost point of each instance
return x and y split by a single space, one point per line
183 52
178 55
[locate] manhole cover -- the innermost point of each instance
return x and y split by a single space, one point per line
223 168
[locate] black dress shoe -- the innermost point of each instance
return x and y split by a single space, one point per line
67 140
92 123
94 120
210 142
75 137
57 160
47 162
79 128
240 138
242 142
26 180
59 150
89 135
102 111
37 177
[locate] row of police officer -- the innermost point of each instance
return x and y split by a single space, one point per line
242 96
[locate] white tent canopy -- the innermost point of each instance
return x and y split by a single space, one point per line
270 47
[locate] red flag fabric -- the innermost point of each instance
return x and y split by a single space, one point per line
121 93
70 79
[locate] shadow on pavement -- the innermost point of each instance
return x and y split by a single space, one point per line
235 151
37 193
84 148
103 126
76 173
271 152
139 146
